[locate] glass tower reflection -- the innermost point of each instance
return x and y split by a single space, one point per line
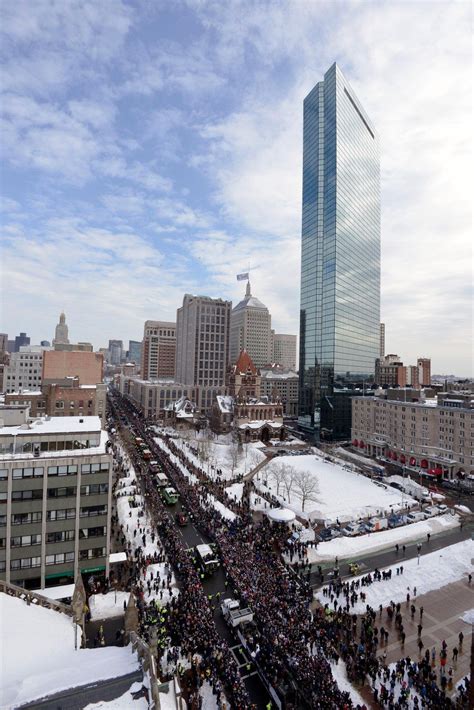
340 257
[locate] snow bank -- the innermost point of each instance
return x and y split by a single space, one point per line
106 606
342 494
348 547
468 616
339 674
436 570
37 655
124 702
235 491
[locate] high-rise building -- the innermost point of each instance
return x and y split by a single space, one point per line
21 341
158 351
284 350
340 263
61 334
115 351
202 346
134 351
382 340
250 330
3 343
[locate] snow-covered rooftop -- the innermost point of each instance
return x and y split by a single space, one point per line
54 425
225 403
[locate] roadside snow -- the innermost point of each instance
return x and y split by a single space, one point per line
352 547
436 570
37 655
339 674
468 616
220 507
124 702
105 606
341 494
235 491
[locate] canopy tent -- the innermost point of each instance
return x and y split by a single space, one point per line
281 515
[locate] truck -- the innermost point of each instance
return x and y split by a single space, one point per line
170 495
376 524
206 558
146 453
161 480
352 529
154 467
233 614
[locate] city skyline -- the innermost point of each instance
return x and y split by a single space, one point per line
136 172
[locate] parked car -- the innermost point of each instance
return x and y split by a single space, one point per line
352 529
431 511
415 517
376 524
442 507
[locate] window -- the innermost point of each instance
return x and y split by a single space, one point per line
3 474
94 467
27 495
60 558
91 554
63 514
62 492
60 536
100 531
28 472
25 518
25 540
93 510
94 489
25 563
60 405
3 520
62 470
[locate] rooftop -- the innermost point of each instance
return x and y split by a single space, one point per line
54 425
249 301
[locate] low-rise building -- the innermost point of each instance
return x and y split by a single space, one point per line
284 350
25 368
60 364
68 398
55 491
282 383
434 436
153 396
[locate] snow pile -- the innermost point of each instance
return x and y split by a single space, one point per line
175 460
106 606
342 494
346 547
436 570
235 491
339 674
41 659
124 702
468 616
220 507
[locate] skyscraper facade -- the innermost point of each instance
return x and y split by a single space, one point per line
61 334
202 346
158 351
340 263
250 330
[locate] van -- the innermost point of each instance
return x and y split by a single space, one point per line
377 524
431 511
415 517
351 530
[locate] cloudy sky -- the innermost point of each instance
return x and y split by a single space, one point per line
154 148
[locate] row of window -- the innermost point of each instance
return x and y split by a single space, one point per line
58 559
63 492
38 472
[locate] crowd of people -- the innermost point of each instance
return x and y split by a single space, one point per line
291 644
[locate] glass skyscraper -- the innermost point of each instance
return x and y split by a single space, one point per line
340 257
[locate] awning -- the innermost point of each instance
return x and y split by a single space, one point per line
281 515
62 592
117 557
424 463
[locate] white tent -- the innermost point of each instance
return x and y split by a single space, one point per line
281 515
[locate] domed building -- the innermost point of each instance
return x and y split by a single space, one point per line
250 330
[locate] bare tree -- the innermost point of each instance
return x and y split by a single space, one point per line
204 448
278 473
288 478
306 485
234 455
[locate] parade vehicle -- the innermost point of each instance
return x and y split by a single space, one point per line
354 568
161 480
170 495
181 519
146 453
206 558
154 467
233 614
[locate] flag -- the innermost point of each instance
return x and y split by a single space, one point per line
243 277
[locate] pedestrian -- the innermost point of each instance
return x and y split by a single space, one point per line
421 612
461 639
404 549
420 629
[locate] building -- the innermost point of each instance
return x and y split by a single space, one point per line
115 352
153 397
284 350
284 384
68 347
243 378
158 351
389 371
382 340
202 346
24 370
59 365
70 399
250 330
21 340
434 436
61 335
55 489
3 343
134 353
424 371
340 262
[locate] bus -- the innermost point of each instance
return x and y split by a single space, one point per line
169 495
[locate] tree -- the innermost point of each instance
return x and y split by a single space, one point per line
288 478
278 473
307 486
233 455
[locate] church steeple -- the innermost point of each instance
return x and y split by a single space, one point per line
248 291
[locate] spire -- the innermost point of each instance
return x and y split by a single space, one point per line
248 292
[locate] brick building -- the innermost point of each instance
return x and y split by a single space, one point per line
158 354
58 365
